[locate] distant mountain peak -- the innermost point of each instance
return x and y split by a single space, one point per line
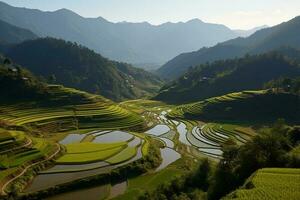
195 20
64 11
123 41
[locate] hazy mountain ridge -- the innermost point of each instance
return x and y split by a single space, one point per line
284 34
130 42
247 33
10 34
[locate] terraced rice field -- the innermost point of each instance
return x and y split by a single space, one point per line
18 150
271 183
110 146
210 137
196 109
88 111
84 159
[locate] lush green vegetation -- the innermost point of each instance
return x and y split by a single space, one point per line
207 160
285 84
128 171
270 183
259 106
88 147
124 155
18 150
227 76
75 66
81 158
55 108
272 147
151 181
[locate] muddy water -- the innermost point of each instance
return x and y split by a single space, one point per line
158 130
72 138
169 143
95 193
76 167
182 130
169 156
44 181
135 142
118 189
114 136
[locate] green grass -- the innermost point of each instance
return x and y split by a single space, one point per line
20 153
151 181
145 148
270 183
5 135
7 172
23 157
123 156
81 158
89 147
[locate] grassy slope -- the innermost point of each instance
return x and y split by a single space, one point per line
88 147
124 155
24 150
69 108
270 183
151 181
243 106
81 158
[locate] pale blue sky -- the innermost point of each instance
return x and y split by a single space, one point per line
237 14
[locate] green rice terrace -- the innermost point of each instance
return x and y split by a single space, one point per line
270 183
61 143
267 105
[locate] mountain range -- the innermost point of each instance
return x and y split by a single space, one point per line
10 34
142 44
284 34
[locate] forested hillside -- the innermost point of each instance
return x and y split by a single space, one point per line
226 76
75 66
255 106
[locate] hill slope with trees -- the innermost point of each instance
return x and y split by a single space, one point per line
75 66
227 76
255 106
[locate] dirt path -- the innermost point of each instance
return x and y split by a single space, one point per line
4 186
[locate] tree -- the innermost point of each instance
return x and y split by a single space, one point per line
201 176
6 61
52 78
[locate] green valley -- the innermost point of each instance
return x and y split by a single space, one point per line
219 123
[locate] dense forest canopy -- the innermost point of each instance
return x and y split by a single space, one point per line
76 66
226 76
